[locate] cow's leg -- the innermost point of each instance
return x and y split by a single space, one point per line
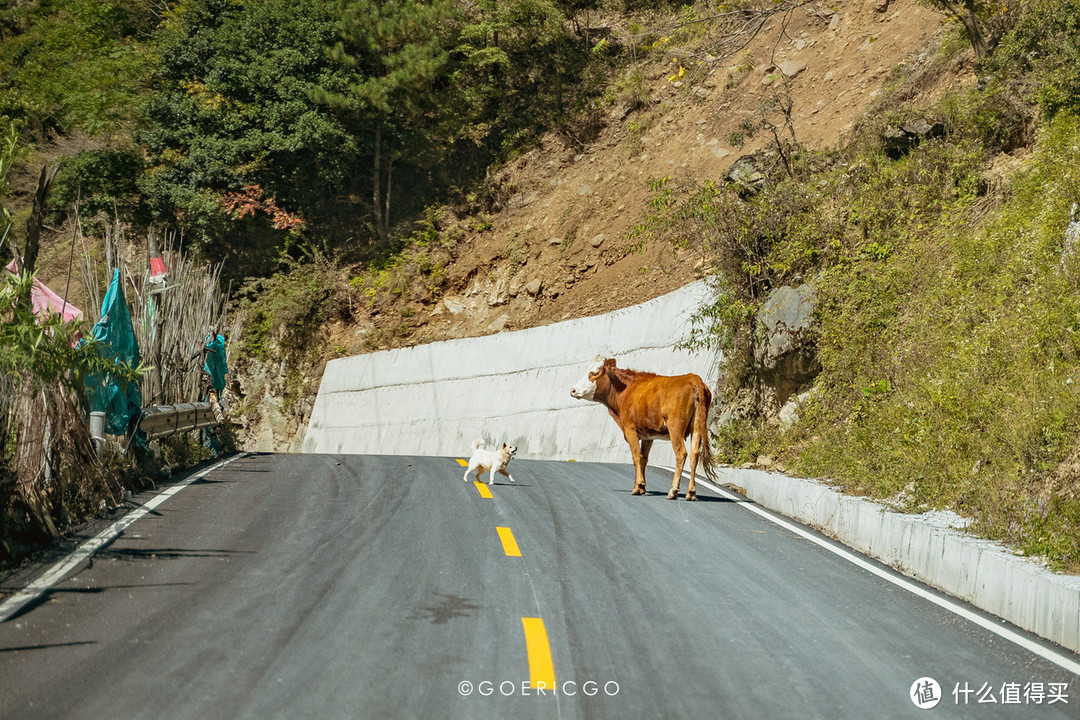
679 447
695 449
646 447
637 451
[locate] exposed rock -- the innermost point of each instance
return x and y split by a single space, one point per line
746 174
789 414
720 152
735 75
786 358
454 304
498 294
901 140
791 68
533 287
521 200
499 324
597 240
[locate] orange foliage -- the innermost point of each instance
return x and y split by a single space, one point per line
251 199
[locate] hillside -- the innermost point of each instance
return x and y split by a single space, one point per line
568 212
899 186
558 244
903 201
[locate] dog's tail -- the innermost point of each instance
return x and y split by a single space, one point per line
477 444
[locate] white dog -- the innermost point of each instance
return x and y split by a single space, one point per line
490 461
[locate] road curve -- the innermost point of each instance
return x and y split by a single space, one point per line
337 586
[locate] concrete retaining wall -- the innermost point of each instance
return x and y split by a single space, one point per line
436 399
924 547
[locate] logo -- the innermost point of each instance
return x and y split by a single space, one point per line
925 693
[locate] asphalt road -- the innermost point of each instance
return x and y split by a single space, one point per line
292 586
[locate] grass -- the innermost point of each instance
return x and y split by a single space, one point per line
948 316
976 327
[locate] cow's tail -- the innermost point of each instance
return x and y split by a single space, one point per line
701 425
477 444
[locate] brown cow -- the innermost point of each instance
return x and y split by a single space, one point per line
648 406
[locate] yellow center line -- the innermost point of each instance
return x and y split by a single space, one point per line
462 463
510 546
541 669
483 488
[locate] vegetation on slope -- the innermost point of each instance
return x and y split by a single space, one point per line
273 132
948 305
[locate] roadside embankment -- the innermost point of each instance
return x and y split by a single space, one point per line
514 387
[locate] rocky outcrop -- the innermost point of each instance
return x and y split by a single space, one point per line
899 141
746 174
786 354
784 359
269 406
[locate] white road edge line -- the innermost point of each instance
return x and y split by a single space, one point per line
950 605
56 573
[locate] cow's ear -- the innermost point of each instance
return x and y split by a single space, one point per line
609 363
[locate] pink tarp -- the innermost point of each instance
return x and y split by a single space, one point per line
45 301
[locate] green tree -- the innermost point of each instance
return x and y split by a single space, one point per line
346 113
396 53
522 70
74 64
969 13
233 108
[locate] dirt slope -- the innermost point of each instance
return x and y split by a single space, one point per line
558 248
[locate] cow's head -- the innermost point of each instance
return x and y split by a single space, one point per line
585 389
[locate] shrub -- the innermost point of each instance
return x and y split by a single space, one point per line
1041 54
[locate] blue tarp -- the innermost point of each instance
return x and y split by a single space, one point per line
120 401
215 364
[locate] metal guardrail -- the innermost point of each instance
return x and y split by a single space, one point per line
164 420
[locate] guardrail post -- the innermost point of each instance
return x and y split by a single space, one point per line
97 432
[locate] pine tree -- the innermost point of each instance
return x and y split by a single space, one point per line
398 53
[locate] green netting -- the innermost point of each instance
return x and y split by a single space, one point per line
120 401
215 364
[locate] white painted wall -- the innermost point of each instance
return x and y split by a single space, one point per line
435 399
